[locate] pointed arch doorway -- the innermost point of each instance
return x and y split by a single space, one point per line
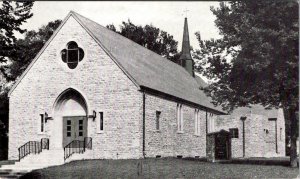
70 112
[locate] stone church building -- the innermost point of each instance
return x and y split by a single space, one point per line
93 89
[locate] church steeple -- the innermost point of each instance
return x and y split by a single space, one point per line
185 59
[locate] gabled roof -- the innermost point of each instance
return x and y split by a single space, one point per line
144 67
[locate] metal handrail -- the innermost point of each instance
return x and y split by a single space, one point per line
45 143
33 147
77 146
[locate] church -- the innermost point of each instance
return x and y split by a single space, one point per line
91 93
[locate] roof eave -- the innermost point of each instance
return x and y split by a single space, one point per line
175 98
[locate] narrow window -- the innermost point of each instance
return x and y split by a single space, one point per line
280 137
101 121
157 119
179 117
80 128
42 122
69 128
211 123
234 132
197 122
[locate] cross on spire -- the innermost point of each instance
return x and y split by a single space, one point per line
186 11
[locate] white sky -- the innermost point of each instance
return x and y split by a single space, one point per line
168 16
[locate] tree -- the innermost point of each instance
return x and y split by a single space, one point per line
150 37
27 49
256 60
12 16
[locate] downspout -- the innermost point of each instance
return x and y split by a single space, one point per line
243 120
206 120
276 136
144 114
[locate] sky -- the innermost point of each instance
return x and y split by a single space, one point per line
167 15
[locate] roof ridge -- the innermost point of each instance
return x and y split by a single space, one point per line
146 67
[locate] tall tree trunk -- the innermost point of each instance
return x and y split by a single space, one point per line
292 118
293 150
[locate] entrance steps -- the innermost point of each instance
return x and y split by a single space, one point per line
37 161
44 159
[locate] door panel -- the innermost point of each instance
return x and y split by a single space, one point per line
74 128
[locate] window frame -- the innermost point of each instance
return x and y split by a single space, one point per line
100 123
197 122
68 50
179 118
157 120
234 132
42 121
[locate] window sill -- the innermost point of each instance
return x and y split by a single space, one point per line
100 132
158 131
180 132
197 135
42 133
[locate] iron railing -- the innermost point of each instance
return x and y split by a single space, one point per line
33 147
45 143
77 146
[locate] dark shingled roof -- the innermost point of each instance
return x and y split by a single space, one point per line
145 67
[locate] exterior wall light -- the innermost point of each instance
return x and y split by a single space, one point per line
93 115
47 117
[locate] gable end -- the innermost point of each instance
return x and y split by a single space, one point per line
71 13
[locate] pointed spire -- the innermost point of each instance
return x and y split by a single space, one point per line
185 59
185 52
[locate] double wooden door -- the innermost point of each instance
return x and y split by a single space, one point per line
74 128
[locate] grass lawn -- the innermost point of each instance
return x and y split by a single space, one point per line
161 168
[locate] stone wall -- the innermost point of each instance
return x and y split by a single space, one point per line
103 85
168 141
259 134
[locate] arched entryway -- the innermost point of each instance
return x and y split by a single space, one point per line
70 117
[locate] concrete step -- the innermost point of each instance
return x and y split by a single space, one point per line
44 159
36 161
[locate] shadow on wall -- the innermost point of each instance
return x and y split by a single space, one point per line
3 148
3 136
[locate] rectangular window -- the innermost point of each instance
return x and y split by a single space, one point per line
42 123
68 128
197 122
157 119
80 125
100 121
234 132
179 118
